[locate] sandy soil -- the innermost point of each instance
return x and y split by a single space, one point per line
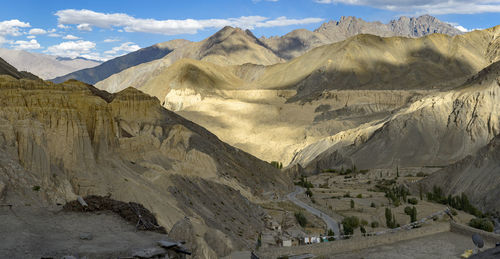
28 232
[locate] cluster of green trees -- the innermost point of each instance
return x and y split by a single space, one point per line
457 202
397 194
412 212
482 223
342 171
350 224
304 183
277 164
390 219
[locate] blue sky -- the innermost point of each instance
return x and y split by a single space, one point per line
107 28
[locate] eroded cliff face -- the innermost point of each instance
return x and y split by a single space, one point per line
72 140
436 130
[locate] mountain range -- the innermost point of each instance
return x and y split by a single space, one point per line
300 41
220 47
44 66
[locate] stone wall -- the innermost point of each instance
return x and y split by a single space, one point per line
469 231
355 243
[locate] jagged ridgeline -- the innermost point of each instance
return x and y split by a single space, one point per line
72 139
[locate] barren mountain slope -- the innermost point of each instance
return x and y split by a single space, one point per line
298 42
7 69
73 139
437 130
229 46
44 66
274 111
477 175
116 65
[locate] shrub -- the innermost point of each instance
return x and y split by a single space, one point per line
352 204
373 205
454 212
347 195
374 224
363 230
413 201
301 219
359 196
364 222
484 224
36 188
421 174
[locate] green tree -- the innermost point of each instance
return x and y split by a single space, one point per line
390 220
301 219
412 212
309 192
352 204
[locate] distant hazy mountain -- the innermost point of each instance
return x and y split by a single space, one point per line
44 66
7 69
110 67
300 41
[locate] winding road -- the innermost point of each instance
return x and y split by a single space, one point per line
330 223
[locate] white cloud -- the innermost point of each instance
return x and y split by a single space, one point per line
71 49
22 44
55 35
31 37
37 31
3 40
84 27
86 19
125 47
434 7
11 27
111 40
62 26
71 37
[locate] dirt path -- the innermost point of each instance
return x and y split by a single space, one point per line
330 223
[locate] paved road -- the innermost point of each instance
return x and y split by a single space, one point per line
330 223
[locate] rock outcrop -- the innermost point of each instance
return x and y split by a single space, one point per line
61 141
437 130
